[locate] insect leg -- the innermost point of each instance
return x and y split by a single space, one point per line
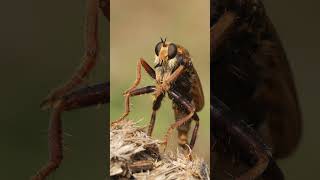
55 143
221 29
149 70
88 96
129 93
195 130
89 59
182 101
244 139
97 94
175 74
183 130
155 107
135 92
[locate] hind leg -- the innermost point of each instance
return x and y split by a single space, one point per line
183 130
182 123
195 130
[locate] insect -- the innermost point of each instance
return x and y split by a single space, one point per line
175 75
69 96
255 112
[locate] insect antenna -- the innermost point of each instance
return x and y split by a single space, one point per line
163 41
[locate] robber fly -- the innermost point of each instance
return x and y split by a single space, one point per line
255 112
69 96
173 74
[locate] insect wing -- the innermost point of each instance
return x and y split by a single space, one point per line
197 92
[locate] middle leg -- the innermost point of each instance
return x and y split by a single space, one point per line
135 92
93 95
155 107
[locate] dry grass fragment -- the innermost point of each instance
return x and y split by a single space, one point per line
133 154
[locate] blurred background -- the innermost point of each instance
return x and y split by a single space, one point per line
296 23
135 30
42 44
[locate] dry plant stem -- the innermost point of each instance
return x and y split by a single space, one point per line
89 59
134 155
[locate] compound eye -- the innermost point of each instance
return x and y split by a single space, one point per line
158 48
172 51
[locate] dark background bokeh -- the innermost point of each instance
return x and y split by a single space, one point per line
41 44
298 25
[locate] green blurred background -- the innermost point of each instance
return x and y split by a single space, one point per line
135 30
41 44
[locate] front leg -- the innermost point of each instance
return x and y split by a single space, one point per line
175 75
165 85
89 59
149 70
98 94
127 93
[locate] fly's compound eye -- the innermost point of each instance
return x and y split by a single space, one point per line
158 48
172 51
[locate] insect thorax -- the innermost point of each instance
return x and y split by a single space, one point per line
183 83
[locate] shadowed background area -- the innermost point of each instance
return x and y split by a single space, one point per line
41 45
296 24
135 30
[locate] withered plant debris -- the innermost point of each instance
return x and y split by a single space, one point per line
134 155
